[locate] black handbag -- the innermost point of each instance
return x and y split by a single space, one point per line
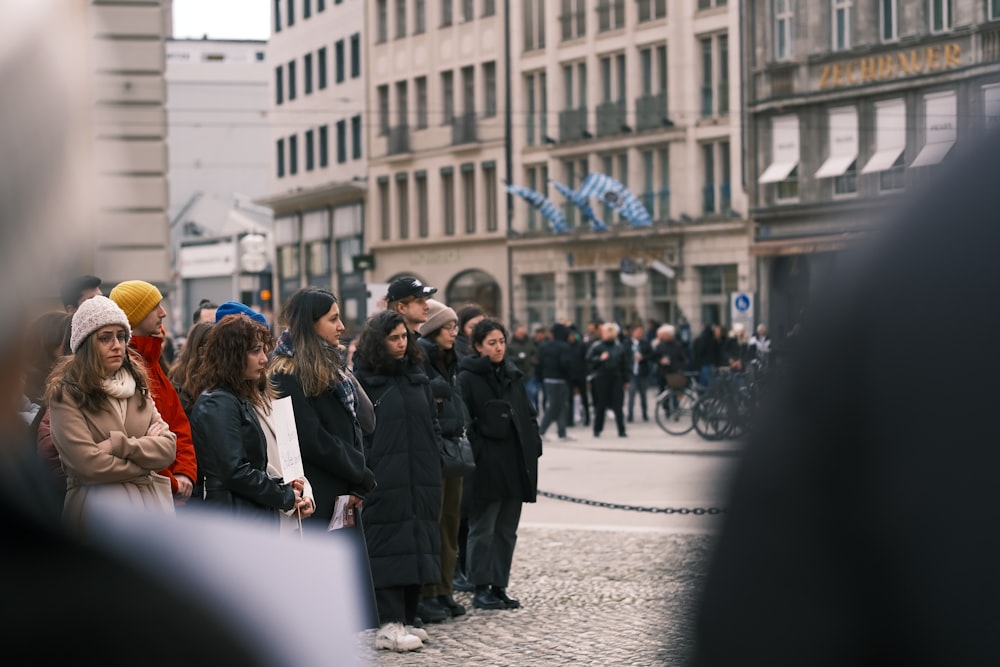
457 459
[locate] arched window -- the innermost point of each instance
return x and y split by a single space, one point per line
474 286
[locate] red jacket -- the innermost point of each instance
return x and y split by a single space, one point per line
169 405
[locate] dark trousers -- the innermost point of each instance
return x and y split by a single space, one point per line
556 406
397 604
450 518
608 394
639 384
579 386
492 536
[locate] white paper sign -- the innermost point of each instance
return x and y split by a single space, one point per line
289 461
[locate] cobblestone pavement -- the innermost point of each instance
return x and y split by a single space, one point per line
589 597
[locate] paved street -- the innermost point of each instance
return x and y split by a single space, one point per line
598 586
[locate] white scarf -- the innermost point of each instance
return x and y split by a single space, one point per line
121 385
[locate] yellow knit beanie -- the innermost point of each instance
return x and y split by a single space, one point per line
137 298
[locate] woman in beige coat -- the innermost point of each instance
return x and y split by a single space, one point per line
110 438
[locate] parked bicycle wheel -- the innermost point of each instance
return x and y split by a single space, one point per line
711 417
674 410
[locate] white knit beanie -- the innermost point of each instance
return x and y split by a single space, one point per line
438 315
94 313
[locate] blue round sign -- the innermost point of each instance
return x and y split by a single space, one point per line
742 303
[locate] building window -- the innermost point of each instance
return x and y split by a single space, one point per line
940 15
707 75
423 212
537 104
279 88
341 142
842 24
402 103
446 13
318 262
490 89
708 4
583 287
355 55
788 189
489 7
288 262
293 155
940 127
994 9
356 138
708 188
324 146
469 196
291 12
448 200
714 75
610 15
403 201
310 150
291 81
320 6
338 60
468 91
889 21
991 106
400 19
306 9
573 19
382 16
783 33
783 170
468 10
717 282
420 83
277 15
722 101
664 198
893 178
280 146
841 163
533 13
490 195
382 94
321 69
447 97
652 9
540 297
383 207
420 17
307 73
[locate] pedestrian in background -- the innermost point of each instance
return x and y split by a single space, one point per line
469 316
554 361
640 361
608 360
507 444
524 353
189 360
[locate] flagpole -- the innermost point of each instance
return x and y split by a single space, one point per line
508 158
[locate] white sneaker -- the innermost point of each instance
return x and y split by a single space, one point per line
394 637
419 633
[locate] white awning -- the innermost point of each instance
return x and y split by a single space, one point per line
932 153
777 172
835 165
882 160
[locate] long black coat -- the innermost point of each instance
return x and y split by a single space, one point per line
331 445
506 449
452 415
401 513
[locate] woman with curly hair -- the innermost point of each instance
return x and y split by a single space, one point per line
110 438
181 374
401 513
229 439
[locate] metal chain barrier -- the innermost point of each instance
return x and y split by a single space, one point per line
633 508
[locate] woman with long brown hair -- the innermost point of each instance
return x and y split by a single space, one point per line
109 436
229 440
188 361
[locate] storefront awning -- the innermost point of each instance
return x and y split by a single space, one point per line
882 160
835 165
777 172
932 153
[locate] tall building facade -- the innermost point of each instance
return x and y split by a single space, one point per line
319 154
850 104
436 131
130 139
650 97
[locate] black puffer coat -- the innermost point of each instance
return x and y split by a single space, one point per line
453 417
504 432
401 513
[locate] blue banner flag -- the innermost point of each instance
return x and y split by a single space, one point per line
581 203
549 211
617 196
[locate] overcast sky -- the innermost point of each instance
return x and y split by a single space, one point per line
222 19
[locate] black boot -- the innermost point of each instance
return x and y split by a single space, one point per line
485 599
453 607
431 611
461 582
501 594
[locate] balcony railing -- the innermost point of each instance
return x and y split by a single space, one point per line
399 140
573 124
463 129
651 111
610 118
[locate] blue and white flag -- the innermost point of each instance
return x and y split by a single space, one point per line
549 211
581 203
617 196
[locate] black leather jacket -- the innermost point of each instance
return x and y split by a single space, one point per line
232 458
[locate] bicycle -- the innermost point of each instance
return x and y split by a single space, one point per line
675 404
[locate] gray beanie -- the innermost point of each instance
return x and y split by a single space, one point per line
94 313
438 315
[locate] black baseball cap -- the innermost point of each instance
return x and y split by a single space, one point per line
407 287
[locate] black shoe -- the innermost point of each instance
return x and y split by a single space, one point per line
417 622
431 611
461 583
452 607
630 419
623 434
485 599
509 602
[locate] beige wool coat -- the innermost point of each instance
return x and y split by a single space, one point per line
125 470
